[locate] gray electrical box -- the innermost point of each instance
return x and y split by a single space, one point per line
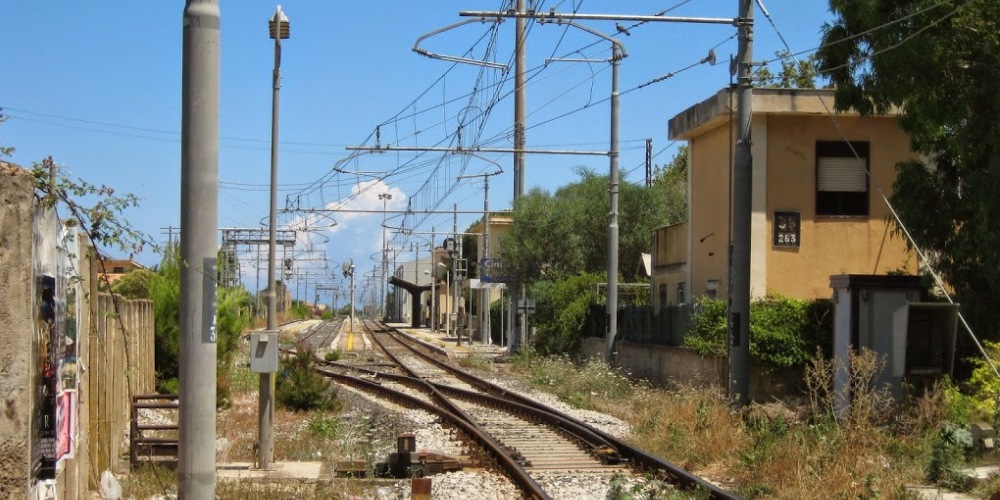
264 351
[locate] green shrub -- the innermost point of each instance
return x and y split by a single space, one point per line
984 386
299 388
708 327
563 306
334 355
784 332
135 284
948 455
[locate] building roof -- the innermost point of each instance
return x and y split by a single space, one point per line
716 110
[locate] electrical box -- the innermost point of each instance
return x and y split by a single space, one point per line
264 351
983 436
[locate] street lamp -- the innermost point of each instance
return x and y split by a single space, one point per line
385 197
278 28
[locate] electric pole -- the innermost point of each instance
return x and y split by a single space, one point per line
484 298
520 93
199 218
739 269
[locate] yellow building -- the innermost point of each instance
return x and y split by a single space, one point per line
815 211
112 270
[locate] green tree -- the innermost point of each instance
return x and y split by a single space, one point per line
135 284
939 66
795 73
563 306
560 235
671 179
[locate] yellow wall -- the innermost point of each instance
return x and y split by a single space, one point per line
784 152
669 263
829 244
708 211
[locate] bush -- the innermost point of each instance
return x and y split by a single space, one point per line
784 332
563 306
299 388
708 327
135 284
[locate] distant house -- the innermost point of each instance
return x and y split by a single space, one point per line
112 270
815 211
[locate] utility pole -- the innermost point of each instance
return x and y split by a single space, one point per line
199 218
385 197
520 97
649 162
739 269
454 273
278 29
616 56
433 274
484 298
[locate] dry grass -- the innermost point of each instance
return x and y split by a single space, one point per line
780 450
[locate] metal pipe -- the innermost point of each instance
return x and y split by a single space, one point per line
199 219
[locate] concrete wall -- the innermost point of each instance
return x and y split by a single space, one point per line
664 365
16 206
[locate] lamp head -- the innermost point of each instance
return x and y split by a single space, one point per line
278 26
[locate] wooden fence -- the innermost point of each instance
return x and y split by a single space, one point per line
120 365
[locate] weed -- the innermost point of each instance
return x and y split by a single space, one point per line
324 427
334 355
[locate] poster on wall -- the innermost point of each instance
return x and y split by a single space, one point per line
53 344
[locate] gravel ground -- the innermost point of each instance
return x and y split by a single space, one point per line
485 485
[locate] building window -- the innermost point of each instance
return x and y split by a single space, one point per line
841 179
663 296
118 270
680 293
712 289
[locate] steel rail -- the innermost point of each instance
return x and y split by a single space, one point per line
640 458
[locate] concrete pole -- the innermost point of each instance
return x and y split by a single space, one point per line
484 296
739 270
265 385
352 299
199 219
433 287
454 271
520 37
520 41
613 212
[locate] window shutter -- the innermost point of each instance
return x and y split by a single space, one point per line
842 175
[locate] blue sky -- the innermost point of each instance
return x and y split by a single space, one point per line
97 86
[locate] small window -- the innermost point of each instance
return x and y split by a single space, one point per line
712 289
663 295
680 293
841 178
118 270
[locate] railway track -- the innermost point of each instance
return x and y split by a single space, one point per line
520 436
